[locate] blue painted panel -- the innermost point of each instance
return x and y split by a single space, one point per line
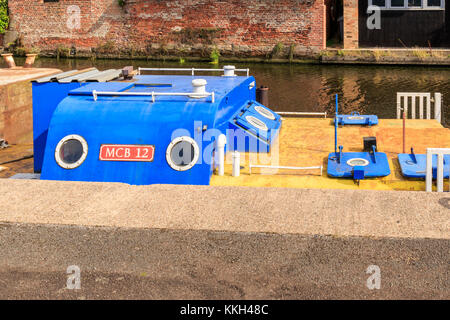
46 97
247 137
356 119
380 168
415 166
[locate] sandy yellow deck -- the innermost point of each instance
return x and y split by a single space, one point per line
307 142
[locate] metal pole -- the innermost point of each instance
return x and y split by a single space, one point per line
336 126
404 131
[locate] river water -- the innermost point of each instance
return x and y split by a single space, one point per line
308 87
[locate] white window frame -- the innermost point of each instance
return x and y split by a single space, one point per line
424 6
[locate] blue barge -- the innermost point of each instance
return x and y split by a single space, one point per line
150 129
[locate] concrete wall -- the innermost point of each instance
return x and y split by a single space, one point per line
246 27
16 112
16 103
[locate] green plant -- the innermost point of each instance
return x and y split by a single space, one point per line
276 51
121 3
4 16
291 52
20 51
215 55
62 52
421 54
181 60
340 53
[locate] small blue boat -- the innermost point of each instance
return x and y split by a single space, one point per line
152 129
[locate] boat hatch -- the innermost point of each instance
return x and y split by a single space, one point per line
415 165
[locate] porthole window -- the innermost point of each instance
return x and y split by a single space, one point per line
256 123
265 113
358 162
182 153
71 151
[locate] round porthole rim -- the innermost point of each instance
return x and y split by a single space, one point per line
196 153
70 166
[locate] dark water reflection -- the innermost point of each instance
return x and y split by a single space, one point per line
367 89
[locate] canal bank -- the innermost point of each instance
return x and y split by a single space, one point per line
279 55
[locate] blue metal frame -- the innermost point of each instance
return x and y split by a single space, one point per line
46 97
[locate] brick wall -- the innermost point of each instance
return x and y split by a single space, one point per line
351 24
249 27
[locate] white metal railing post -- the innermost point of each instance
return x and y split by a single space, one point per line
192 70
414 95
439 152
438 106
440 173
429 171
153 94
286 113
399 105
284 167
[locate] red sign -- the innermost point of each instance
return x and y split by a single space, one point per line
122 152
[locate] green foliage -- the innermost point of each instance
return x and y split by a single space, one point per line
4 17
277 50
215 55
62 52
121 3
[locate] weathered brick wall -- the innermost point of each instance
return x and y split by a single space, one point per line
251 27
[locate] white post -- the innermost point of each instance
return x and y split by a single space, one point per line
221 142
236 164
440 173
421 107
438 107
429 170
428 107
413 107
399 105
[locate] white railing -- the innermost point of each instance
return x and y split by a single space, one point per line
155 94
424 100
284 167
193 70
440 152
285 113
